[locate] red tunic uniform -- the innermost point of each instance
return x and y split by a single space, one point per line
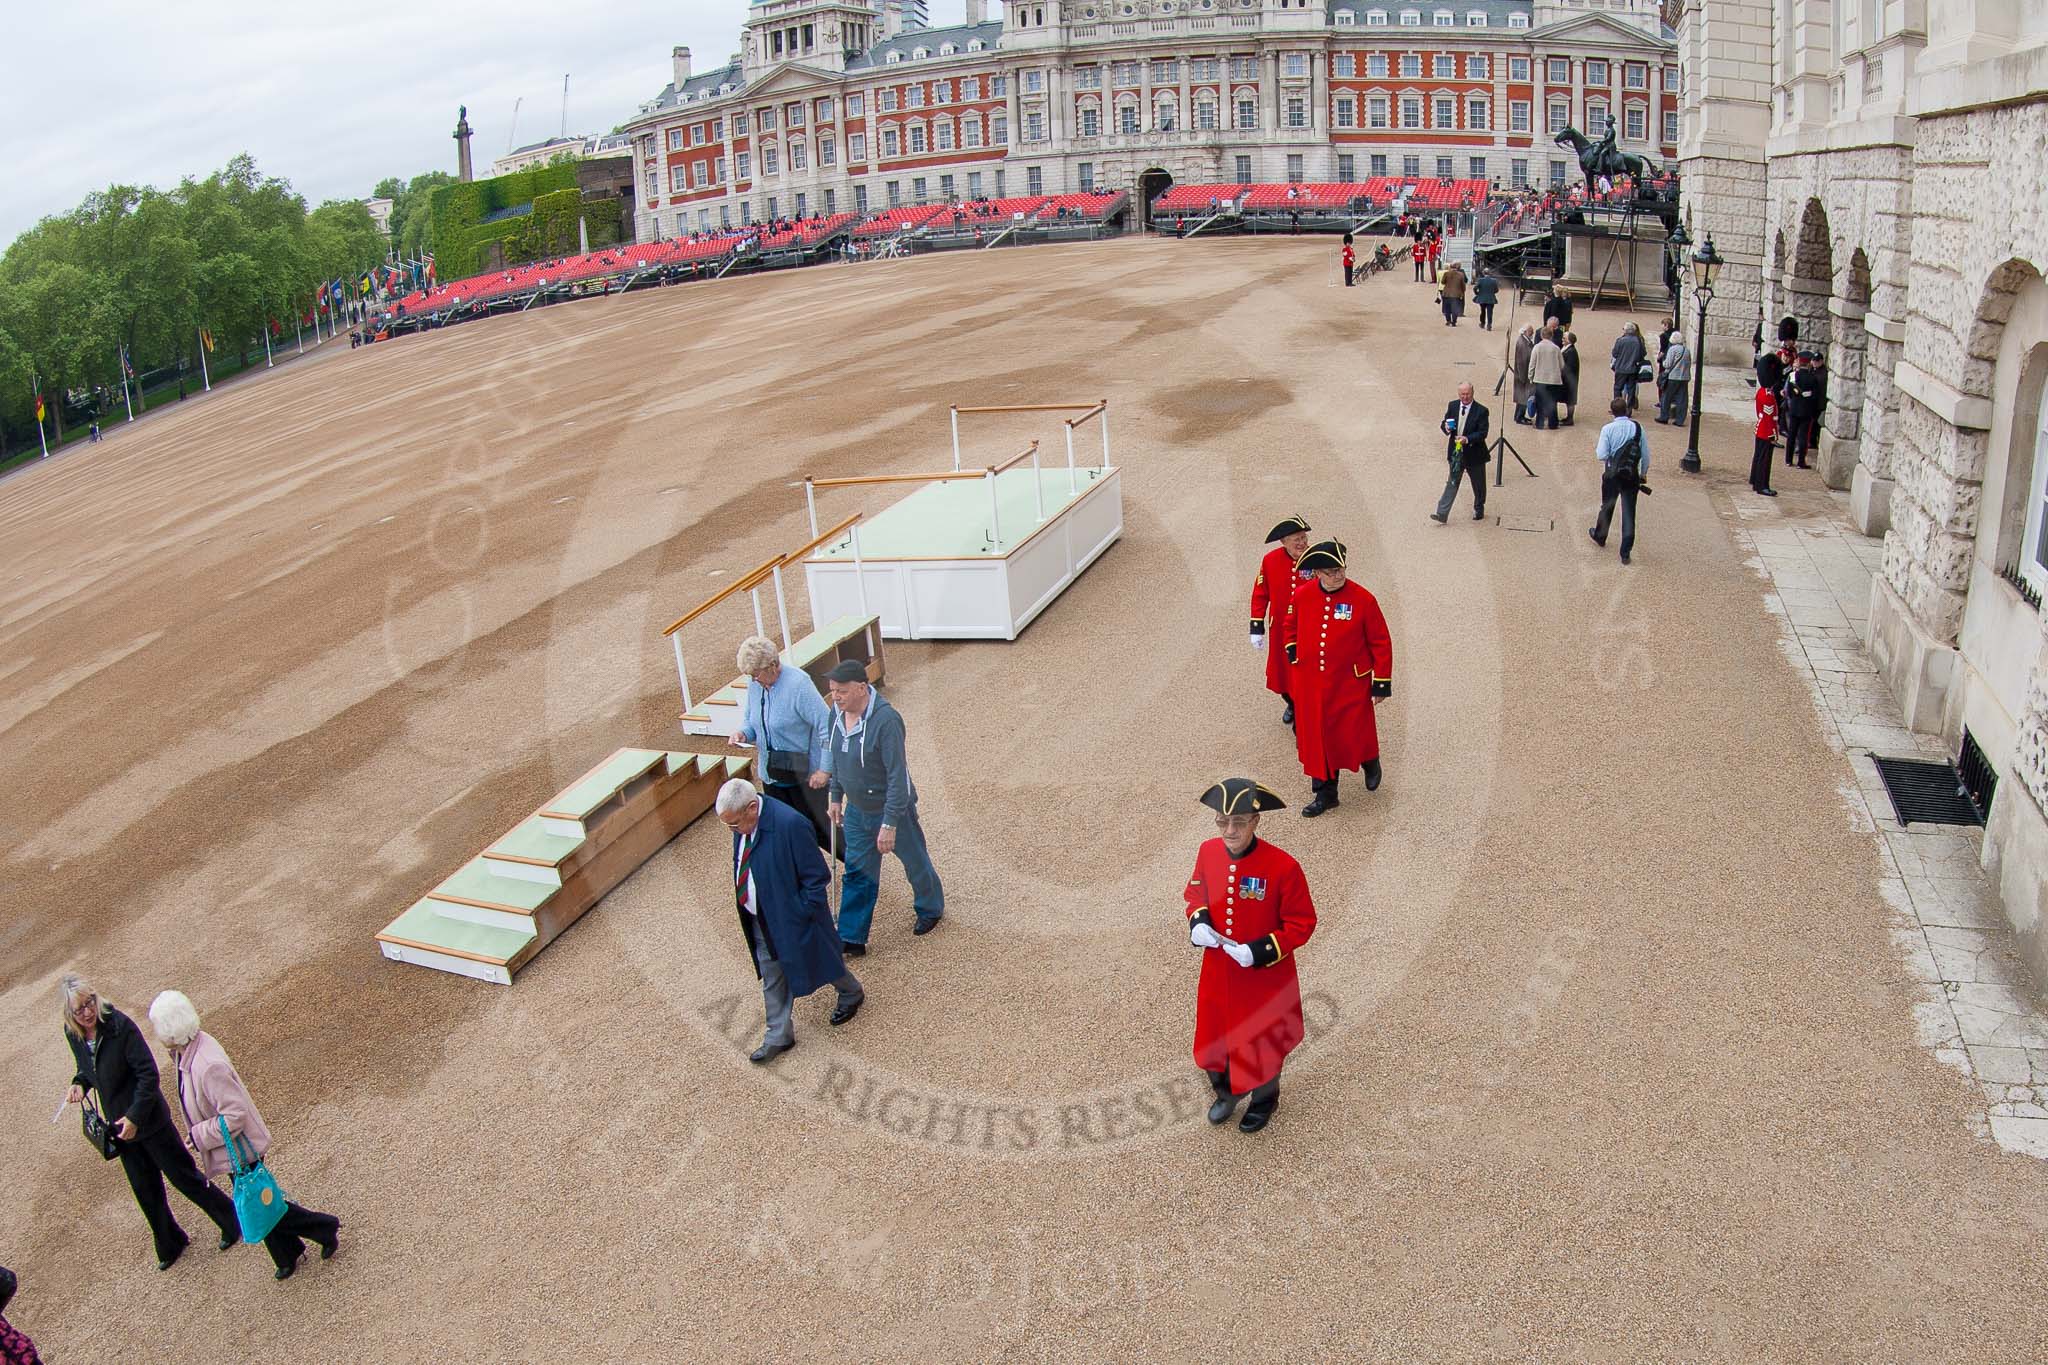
1343 658
1247 1019
1272 591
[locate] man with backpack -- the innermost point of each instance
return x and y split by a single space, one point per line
1624 455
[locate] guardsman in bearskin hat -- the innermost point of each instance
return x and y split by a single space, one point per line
1249 909
1272 590
1343 666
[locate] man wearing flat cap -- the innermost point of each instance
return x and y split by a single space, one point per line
1272 590
1248 909
872 798
1336 638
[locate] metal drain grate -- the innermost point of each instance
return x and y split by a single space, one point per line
1926 793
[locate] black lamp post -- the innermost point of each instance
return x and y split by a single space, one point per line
1706 264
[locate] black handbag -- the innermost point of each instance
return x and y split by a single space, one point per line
787 767
98 1131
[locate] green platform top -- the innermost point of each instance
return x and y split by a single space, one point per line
426 927
530 841
603 782
476 882
827 637
950 520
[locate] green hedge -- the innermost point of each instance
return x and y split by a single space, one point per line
459 209
551 229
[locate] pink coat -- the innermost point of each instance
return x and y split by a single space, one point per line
210 1088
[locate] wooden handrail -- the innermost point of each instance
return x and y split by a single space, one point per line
1032 407
740 584
1095 411
814 542
1024 454
896 478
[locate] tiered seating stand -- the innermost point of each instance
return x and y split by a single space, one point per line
502 907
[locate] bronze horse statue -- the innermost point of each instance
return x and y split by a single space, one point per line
1603 158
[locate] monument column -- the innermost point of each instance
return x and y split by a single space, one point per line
462 166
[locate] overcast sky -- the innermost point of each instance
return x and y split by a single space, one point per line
332 97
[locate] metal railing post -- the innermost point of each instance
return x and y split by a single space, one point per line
1105 433
781 607
811 505
682 673
860 578
1037 483
956 436
995 520
759 627
1073 481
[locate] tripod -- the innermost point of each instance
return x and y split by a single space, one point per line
1500 469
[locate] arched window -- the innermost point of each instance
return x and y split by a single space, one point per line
1090 117
1127 113
1166 111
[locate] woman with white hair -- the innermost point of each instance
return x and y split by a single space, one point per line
786 717
115 1065
210 1090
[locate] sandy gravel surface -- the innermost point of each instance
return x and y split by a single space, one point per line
1611 1055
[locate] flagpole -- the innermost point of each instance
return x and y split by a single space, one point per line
267 363
125 399
204 377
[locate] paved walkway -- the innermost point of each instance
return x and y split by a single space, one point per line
1976 1010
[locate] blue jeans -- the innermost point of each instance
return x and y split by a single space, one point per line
864 867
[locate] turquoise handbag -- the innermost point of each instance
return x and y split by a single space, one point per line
259 1203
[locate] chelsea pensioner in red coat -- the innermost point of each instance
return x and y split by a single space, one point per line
1343 657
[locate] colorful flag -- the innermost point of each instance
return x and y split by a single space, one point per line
206 339
39 407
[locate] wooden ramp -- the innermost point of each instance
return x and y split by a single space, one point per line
848 637
495 912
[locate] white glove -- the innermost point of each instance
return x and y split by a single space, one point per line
1239 953
1203 935
1258 639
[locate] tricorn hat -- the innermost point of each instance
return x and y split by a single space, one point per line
1286 528
1324 554
1240 796
848 670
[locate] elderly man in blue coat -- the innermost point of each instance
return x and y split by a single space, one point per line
779 883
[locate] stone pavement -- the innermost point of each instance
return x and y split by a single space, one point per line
1975 1010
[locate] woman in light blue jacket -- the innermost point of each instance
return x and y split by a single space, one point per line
786 719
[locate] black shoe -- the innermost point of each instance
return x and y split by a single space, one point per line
165 1263
846 1012
1324 800
852 949
1256 1118
925 924
1767 492
1479 514
1372 774
767 1052
1596 537
284 1272
1624 559
1440 518
1287 714
1225 1106
332 1244
228 1239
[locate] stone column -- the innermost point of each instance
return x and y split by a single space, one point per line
1725 49
1843 420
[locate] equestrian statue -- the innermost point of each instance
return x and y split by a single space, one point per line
1603 158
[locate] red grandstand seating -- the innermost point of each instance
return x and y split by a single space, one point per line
804 232
1090 205
1190 198
1302 197
986 214
891 221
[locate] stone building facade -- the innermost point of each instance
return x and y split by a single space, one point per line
852 105
1901 208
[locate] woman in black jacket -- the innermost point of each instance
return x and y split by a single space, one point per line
115 1063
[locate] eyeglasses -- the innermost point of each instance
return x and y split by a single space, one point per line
88 1006
1235 821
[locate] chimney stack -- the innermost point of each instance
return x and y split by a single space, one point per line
682 63
977 11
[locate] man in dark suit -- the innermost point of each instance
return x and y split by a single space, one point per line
1465 432
779 886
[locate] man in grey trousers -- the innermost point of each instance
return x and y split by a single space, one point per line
1677 379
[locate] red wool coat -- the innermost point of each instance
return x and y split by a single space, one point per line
1272 593
1766 413
1343 657
1247 1019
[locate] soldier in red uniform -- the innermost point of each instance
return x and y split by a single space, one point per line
1248 908
1272 591
1343 659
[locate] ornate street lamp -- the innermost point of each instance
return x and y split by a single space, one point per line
1706 265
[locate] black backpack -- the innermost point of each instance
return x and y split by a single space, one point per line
1625 466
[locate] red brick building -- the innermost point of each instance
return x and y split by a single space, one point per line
839 105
